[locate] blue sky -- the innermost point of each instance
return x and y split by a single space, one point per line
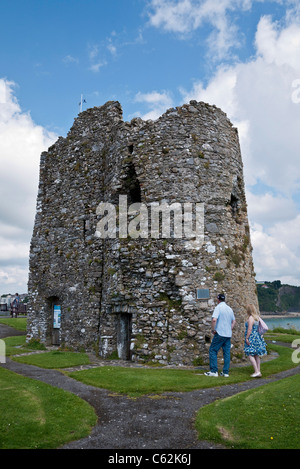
242 55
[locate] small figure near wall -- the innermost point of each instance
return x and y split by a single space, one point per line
255 345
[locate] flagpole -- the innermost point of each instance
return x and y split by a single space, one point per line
81 102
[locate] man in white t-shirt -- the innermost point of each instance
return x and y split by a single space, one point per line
222 323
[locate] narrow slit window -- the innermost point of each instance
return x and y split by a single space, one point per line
132 185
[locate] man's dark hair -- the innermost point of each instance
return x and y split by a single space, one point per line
221 297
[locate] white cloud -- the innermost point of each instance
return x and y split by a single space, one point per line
186 16
220 18
12 250
275 227
281 47
157 102
172 16
69 59
12 279
259 98
93 51
93 55
276 252
112 48
2 92
21 143
221 90
288 232
9 105
96 66
267 209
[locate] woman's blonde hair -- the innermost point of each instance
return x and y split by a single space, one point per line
252 311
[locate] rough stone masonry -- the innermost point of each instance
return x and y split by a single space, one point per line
140 298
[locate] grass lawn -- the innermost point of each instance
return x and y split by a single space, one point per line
283 335
16 323
139 381
54 359
34 415
264 418
17 344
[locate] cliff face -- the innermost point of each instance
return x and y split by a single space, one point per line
119 282
274 297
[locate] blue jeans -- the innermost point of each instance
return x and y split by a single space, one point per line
218 342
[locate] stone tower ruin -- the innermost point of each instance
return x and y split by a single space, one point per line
141 298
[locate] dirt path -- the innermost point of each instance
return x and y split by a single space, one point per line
164 422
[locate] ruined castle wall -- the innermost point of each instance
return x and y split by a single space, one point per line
138 296
66 260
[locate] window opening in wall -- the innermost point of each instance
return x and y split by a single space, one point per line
236 196
84 229
132 186
234 203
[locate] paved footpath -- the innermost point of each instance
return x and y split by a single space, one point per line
164 422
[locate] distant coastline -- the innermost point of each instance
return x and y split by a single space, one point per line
279 315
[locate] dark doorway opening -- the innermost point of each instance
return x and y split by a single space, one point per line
54 308
124 321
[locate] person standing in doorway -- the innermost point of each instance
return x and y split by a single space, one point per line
223 321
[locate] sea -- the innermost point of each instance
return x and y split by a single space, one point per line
286 323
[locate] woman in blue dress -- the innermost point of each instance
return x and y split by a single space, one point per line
255 345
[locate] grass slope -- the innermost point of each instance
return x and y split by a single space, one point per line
264 418
34 415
